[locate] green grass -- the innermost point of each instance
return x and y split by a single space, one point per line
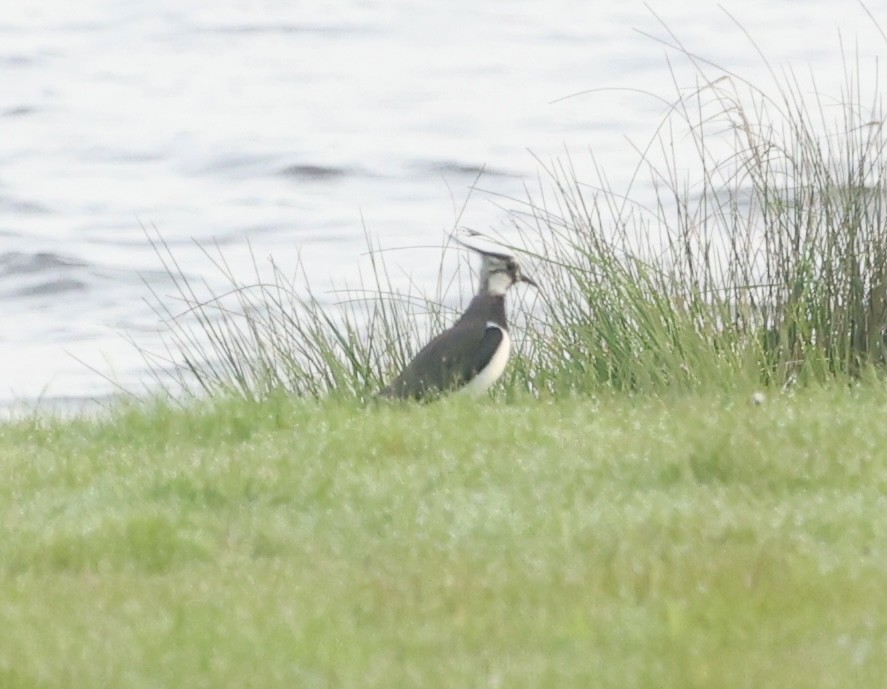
622 517
748 248
689 541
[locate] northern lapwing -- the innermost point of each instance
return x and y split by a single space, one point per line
472 354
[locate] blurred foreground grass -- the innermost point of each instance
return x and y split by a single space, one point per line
686 541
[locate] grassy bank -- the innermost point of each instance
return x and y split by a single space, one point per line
698 541
622 516
751 254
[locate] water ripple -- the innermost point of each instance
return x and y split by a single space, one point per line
315 172
19 263
456 167
41 274
18 111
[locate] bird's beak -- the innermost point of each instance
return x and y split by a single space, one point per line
528 280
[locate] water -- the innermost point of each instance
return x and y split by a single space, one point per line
294 125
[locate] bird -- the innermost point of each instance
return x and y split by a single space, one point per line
471 355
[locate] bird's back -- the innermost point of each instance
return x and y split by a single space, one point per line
457 355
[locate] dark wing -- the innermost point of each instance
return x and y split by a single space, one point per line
449 361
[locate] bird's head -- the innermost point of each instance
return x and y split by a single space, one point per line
498 272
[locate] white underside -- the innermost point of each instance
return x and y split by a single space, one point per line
490 374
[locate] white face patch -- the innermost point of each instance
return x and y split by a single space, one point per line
485 378
498 283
